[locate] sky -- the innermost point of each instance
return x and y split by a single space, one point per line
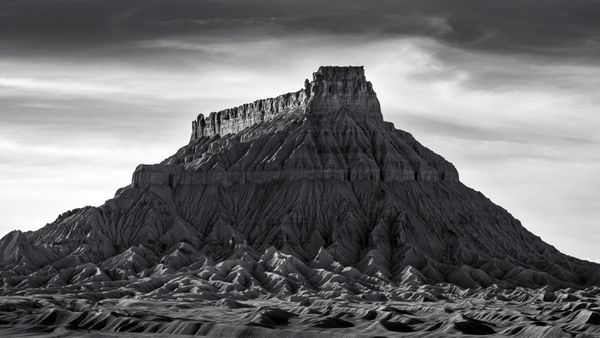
505 90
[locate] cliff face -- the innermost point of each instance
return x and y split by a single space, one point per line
332 89
308 192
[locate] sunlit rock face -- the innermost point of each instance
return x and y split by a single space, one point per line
308 193
332 89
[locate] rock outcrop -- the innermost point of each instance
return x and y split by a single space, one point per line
332 89
308 192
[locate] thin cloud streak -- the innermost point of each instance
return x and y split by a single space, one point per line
56 87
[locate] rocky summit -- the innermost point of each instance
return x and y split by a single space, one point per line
306 196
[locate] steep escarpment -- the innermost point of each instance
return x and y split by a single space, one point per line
332 89
310 192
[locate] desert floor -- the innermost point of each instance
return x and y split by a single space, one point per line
517 312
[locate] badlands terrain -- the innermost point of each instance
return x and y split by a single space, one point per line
178 308
302 215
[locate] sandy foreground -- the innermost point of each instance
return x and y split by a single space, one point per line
442 310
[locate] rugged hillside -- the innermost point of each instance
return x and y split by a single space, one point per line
308 192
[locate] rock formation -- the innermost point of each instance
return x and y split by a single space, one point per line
311 192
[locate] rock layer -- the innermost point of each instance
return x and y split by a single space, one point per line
332 89
308 192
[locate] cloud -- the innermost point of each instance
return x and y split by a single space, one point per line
53 86
516 134
555 30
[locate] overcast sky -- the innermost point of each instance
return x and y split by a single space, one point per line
505 90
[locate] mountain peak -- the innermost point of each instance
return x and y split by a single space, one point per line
339 73
332 129
333 88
